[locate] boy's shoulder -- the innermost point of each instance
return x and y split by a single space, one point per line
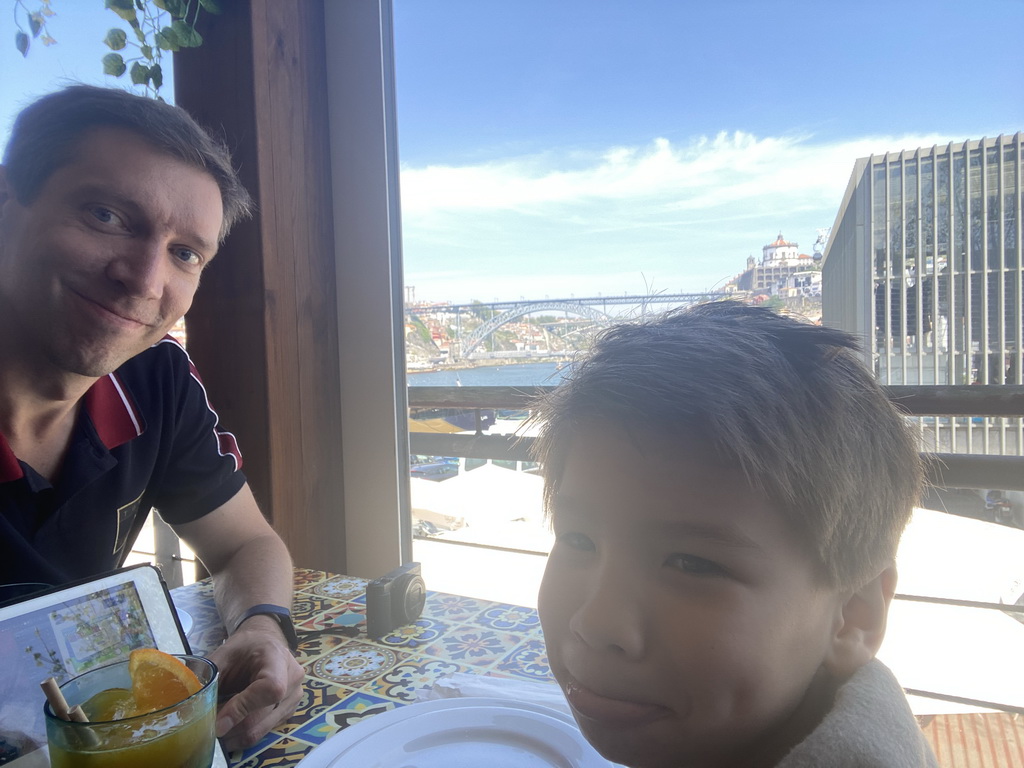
870 724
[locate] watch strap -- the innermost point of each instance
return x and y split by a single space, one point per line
277 612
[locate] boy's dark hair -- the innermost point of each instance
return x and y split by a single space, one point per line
47 132
787 402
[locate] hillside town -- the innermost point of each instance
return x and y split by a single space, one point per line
784 277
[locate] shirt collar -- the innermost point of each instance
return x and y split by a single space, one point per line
110 408
10 467
112 411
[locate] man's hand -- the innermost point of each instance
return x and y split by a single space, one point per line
262 678
250 566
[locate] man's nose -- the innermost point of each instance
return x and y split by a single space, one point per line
141 269
612 616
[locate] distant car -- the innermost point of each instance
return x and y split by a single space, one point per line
423 529
437 471
512 415
997 505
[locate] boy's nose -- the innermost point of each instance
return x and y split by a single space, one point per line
611 618
140 270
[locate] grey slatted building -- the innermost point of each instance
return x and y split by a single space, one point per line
924 263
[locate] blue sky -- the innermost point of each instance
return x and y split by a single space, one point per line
590 147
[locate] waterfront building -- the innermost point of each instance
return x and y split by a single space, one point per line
779 261
924 263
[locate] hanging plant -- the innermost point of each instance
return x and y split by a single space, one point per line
137 51
36 22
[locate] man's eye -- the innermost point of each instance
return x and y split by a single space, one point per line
696 566
188 256
575 541
104 215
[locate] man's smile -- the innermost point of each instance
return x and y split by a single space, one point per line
112 314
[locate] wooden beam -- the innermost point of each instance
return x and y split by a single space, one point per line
263 329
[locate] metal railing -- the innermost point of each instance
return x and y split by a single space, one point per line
944 470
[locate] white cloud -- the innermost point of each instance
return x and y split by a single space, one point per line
701 174
683 214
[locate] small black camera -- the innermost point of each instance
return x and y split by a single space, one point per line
394 600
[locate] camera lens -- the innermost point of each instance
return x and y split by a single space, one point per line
415 596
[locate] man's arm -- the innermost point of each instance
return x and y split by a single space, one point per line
250 566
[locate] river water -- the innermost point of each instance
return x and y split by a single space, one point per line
518 375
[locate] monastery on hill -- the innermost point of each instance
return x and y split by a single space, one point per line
783 271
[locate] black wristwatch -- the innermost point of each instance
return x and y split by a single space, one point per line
278 612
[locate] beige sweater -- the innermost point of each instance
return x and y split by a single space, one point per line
870 726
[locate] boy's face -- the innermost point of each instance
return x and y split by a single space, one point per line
682 619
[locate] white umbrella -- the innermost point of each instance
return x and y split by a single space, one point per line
491 495
431 504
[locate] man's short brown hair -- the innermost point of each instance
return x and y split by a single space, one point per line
47 133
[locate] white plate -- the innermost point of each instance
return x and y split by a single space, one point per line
451 733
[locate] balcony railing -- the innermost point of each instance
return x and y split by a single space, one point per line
945 470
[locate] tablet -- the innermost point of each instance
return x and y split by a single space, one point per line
68 630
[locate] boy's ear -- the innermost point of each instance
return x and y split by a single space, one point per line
860 628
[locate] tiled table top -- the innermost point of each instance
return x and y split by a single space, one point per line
349 677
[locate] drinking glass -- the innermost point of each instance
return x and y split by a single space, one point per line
179 736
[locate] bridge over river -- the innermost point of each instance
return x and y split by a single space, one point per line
602 310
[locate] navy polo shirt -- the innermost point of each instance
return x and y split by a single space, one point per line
146 437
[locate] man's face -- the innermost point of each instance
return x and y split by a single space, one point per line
107 258
682 620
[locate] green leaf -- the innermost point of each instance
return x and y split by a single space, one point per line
21 41
35 23
147 51
167 39
113 64
212 6
123 8
139 74
139 34
187 36
156 75
116 39
177 8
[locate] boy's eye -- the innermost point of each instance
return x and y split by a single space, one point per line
575 541
693 565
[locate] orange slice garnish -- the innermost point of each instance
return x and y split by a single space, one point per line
159 680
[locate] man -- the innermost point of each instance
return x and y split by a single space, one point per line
111 206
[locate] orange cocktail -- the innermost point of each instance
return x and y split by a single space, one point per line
123 733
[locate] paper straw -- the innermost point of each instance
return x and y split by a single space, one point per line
60 708
58 703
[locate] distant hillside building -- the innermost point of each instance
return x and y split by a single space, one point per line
924 263
779 261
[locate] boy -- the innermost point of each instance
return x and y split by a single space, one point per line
727 488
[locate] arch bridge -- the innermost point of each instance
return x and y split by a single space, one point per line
593 308
477 337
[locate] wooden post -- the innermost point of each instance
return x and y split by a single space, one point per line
263 329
